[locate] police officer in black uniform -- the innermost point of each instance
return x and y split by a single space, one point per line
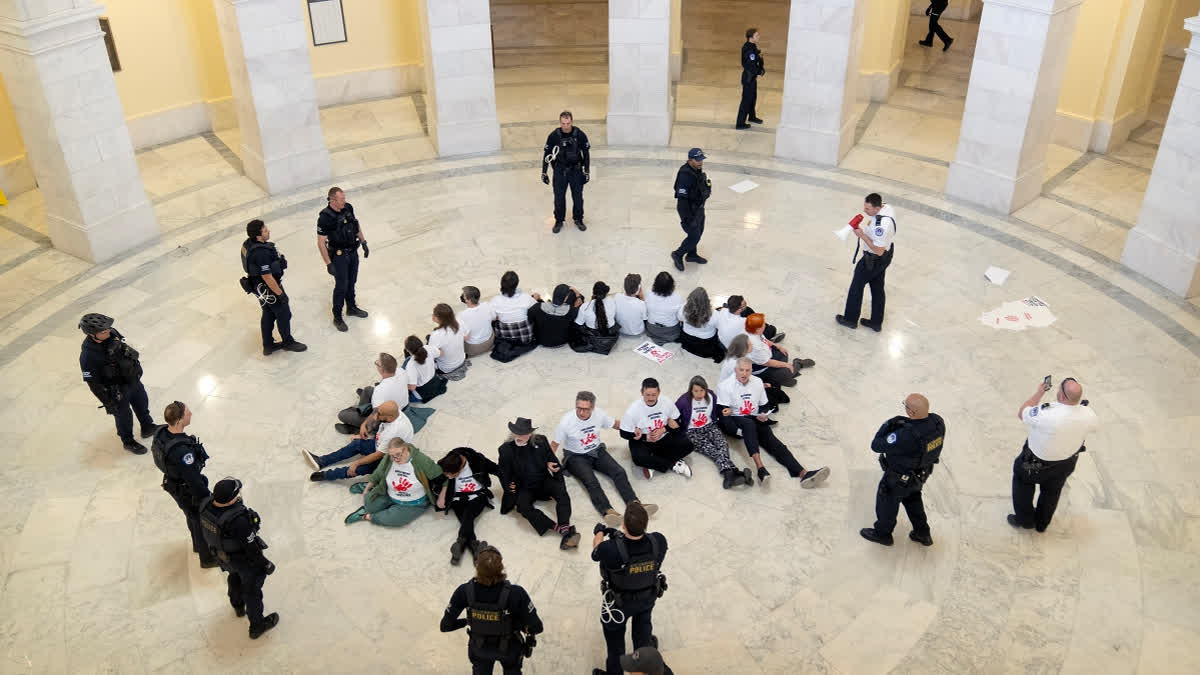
692 189
752 69
501 619
338 237
264 268
231 532
631 580
908 447
181 458
113 372
568 151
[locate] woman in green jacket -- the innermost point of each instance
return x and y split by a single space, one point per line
398 490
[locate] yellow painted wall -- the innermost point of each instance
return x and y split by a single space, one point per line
379 33
206 45
886 28
1177 36
158 63
10 136
1091 58
1144 59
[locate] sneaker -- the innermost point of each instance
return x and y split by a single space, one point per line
682 469
778 339
358 312
1012 520
358 488
812 479
922 539
742 126
756 120
871 324
268 622
612 519
292 346
340 324
696 258
580 225
148 432
678 261
356 515
570 539
457 549
345 429
747 476
947 45
647 473
133 446
763 475
924 43
311 459
272 348
845 322
871 534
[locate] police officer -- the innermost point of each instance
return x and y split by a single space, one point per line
875 236
181 458
113 372
1056 437
934 12
231 532
501 619
908 446
338 237
631 580
752 69
692 189
264 268
567 150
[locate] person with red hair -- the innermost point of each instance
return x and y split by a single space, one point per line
769 358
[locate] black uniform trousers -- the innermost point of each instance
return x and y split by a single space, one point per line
345 275
639 616
551 488
1051 477
192 514
755 434
663 453
483 661
134 401
245 584
563 177
693 228
278 313
870 270
935 27
891 494
749 99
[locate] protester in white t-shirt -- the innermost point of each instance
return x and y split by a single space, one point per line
384 424
476 320
731 321
584 454
464 488
398 490
448 338
651 425
698 410
699 323
392 386
423 381
512 310
662 310
631 307
769 358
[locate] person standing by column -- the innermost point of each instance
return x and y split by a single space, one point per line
567 150
752 69
692 189
875 236
113 372
934 12
338 237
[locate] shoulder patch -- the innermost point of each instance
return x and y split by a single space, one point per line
879 232
891 438
751 57
189 459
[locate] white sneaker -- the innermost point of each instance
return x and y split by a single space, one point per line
647 473
682 469
312 460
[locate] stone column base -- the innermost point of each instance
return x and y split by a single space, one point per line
638 129
104 240
287 172
992 190
1162 263
814 145
468 138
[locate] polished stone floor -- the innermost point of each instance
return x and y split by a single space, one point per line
95 558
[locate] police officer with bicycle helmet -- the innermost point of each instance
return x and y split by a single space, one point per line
113 372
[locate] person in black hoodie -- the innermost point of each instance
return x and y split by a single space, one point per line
464 488
553 321
530 471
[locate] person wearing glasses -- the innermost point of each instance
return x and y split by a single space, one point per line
908 446
1057 432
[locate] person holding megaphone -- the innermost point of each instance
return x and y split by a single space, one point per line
875 234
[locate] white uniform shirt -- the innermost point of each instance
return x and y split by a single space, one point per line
703 332
729 326
881 229
1057 431
582 436
663 310
742 399
514 309
394 388
477 321
641 416
631 314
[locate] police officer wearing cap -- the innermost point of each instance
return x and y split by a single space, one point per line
645 661
875 235
113 372
338 237
692 189
264 268
1057 432
231 532
631 581
752 69
501 619
568 151
908 446
181 458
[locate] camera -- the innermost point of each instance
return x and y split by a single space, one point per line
601 527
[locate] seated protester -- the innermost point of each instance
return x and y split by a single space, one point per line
630 312
423 381
447 338
698 409
554 322
731 321
476 320
770 359
739 347
739 403
662 310
597 330
529 471
651 425
384 424
699 324
512 310
398 490
392 386
464 487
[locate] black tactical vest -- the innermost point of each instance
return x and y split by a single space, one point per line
214 528
637 575
488 620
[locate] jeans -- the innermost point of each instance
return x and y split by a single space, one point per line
869 270
891 494
754 434
584 467
467 510
345 274
550 488
662 454
359 447
278 313
694 229
614 636
134 401
563 178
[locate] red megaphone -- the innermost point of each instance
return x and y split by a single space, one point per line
855 221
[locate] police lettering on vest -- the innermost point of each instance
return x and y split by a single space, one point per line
638 575
215 529
489 620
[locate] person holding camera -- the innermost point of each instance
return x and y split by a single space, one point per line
1057 432
875 236
501 620
113 372
338 238
264 268
908 446
231 532
632 582
568 152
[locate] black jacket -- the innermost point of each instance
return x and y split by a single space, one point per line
520 605
549 330
692 189
908 444
524 466
482 469
575 142
752 62
108 364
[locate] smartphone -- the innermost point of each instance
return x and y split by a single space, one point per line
1046 383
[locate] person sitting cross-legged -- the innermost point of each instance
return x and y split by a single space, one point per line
386 423
464 487
651 425
398 490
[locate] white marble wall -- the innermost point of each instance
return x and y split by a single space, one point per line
266 54
1010 113
639 72
1165 245
460 83
550 23
821 80
65 100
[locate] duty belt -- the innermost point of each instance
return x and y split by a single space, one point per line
1033 464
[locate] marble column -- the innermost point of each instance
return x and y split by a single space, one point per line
460 81
1165 244
65 99
639 72
821 80
266 54
1012 100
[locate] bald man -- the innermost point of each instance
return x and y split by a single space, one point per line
908 446
1056 435
384 424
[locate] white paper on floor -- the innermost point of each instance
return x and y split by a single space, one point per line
653 352
1032 312
843 232
743 187
996 275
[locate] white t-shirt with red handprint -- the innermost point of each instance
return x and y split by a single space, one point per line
582 436
648 418
742 399
403 485
702 413
465 484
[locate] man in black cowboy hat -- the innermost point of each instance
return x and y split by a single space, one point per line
530 471
230 529
113 372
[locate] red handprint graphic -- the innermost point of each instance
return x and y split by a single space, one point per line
401 485
747 407
658 424
469 486
589 438
700 420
